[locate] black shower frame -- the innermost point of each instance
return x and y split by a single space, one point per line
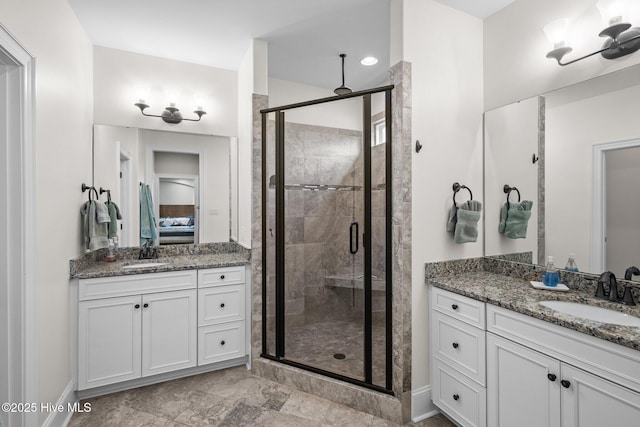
280 241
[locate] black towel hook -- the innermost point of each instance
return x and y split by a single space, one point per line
91 189
507 189
457 187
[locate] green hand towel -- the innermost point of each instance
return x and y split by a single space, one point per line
94 232
467 222
453 217
114 215
517 219
147 218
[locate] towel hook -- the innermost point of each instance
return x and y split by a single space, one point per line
457 187
102 190
507 189
91 189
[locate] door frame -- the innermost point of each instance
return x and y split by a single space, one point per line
598 254
21 271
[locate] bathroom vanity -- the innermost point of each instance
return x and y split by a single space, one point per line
499 358
141 322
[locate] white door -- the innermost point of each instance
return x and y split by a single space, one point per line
522 386
590 401
109 341
169 331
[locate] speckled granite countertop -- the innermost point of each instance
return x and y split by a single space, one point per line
517 294
181 257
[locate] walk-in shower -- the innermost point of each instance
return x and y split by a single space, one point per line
326 233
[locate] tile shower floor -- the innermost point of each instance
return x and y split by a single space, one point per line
229 397
316 344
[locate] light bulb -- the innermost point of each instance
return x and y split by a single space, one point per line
557 32
613 11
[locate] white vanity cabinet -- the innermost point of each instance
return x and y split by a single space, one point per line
538 374
135 326
546 375
221 314
458 363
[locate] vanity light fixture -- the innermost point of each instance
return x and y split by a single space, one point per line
170 114
620 38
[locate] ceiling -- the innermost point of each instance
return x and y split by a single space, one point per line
305 37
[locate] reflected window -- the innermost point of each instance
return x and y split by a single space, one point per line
378 132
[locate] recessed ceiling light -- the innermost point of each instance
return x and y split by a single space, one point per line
369 60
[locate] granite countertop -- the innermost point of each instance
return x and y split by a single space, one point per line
180 257
517 294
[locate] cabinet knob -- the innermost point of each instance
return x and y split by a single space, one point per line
222 342
145 305
565 383
454 306
456 397
222 277
136 306
552 377
455 345
221 305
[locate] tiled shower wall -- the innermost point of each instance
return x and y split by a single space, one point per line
323 196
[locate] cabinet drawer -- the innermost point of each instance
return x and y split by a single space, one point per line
460 307
135 284
460 345
462 399
220 342
220 304
220 276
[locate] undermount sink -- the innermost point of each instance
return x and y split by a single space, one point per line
590 312
145 265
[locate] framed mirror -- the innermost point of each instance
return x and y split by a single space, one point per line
192 177
586 177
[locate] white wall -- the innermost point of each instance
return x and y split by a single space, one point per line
177 163
447 105
48 29
515 48
177 192
121 76
572 130
252 79
511 137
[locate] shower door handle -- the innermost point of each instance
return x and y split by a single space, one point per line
353 233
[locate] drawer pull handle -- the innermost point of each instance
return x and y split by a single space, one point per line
222 342
552 377
145 305
455 345
456 397
565 383
222 277
454 306
136 306
222 305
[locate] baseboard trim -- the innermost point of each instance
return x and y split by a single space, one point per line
66 401
421 405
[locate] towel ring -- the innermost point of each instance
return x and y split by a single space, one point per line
507 189
102 190
91 189
457 187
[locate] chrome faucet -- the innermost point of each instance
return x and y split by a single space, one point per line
148 251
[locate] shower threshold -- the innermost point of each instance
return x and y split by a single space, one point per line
353 282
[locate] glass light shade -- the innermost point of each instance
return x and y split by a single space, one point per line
612 11
557 31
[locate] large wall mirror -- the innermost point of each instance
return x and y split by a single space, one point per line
192 177
587 180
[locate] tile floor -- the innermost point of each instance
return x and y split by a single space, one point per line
230 397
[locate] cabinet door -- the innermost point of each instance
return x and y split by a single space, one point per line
523 386
590 401
168 331
109 341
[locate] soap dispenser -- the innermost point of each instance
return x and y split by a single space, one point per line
550 276
571 263
111 257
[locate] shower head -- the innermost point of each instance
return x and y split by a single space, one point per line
342 90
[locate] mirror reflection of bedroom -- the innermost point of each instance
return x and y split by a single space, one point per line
177 200
177 178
